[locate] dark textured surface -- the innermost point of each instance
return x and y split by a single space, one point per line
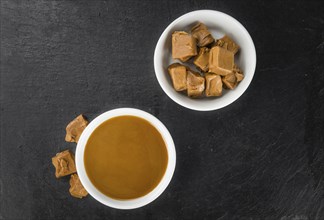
259 158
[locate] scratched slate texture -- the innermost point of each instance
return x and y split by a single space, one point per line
260 158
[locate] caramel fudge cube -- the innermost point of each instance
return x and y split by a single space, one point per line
214 85
64 163
195 84
184 46
76 188
230 81
178 75
202 34
75 128
202 59
221 61
227 43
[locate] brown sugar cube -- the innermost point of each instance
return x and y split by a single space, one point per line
184 46
77 190
221 61
238 73
214 85
75 128
195 84
64 163
178 75
202 34
227 43
202 59
230 81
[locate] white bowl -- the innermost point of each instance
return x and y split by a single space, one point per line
132 203
219 24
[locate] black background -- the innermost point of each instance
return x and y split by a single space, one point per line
259 158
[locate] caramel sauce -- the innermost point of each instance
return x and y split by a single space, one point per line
125 157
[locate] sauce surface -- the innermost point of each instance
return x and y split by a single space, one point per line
125 157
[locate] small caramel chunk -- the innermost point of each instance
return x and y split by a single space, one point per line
195 84
64 163
202 34
221 61
74 129
230 81
238 73
77 190
202 59
178 75
184 46
239 77
213 85
219 43
227 43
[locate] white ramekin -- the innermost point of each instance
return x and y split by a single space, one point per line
132 203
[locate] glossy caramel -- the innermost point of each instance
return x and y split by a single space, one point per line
125 157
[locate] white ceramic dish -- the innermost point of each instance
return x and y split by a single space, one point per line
133 203
219 24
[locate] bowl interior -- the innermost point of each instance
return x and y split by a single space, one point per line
131 203
219 24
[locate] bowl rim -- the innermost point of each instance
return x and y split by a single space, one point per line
131 203
159 70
